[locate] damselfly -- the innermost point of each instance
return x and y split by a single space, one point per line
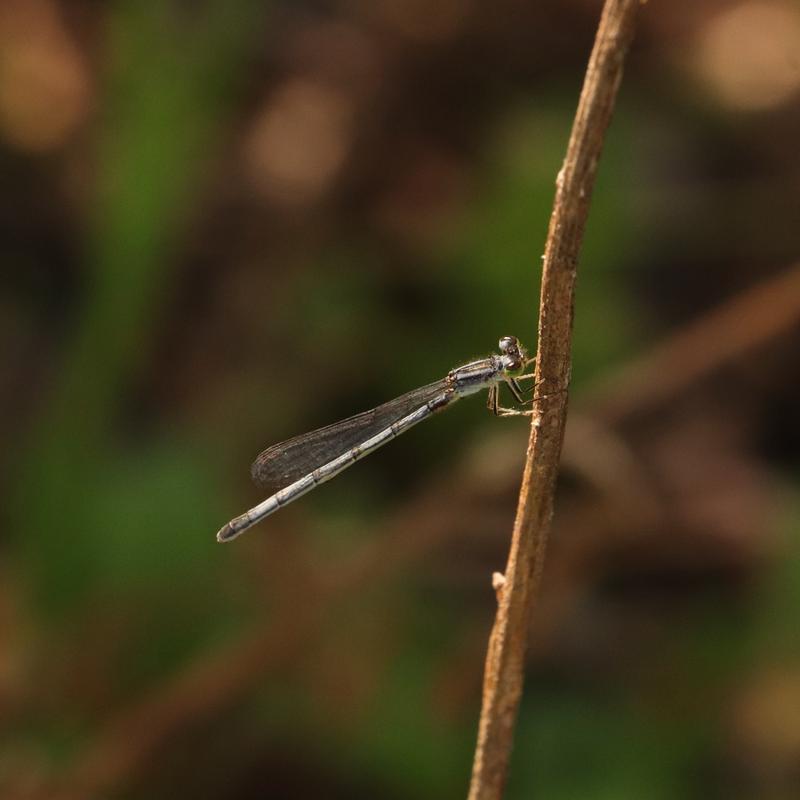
292 468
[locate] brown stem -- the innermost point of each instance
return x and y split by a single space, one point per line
503 675
724 334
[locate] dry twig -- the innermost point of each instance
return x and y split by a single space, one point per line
504 660
745 321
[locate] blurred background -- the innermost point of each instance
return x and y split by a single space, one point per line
228 222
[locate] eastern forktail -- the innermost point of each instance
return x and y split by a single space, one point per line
294 467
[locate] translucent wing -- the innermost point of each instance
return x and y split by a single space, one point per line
285 462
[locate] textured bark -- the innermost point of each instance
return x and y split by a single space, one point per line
503 675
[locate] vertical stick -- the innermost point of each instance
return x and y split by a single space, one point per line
505 657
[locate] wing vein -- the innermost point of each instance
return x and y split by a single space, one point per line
285 462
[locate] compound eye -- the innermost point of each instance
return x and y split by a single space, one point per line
508 344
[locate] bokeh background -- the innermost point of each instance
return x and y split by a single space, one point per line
226 222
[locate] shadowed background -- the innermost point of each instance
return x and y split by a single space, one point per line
229 222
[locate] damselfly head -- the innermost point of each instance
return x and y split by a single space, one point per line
508 343
514 354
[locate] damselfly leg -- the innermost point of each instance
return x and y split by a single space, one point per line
493 400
